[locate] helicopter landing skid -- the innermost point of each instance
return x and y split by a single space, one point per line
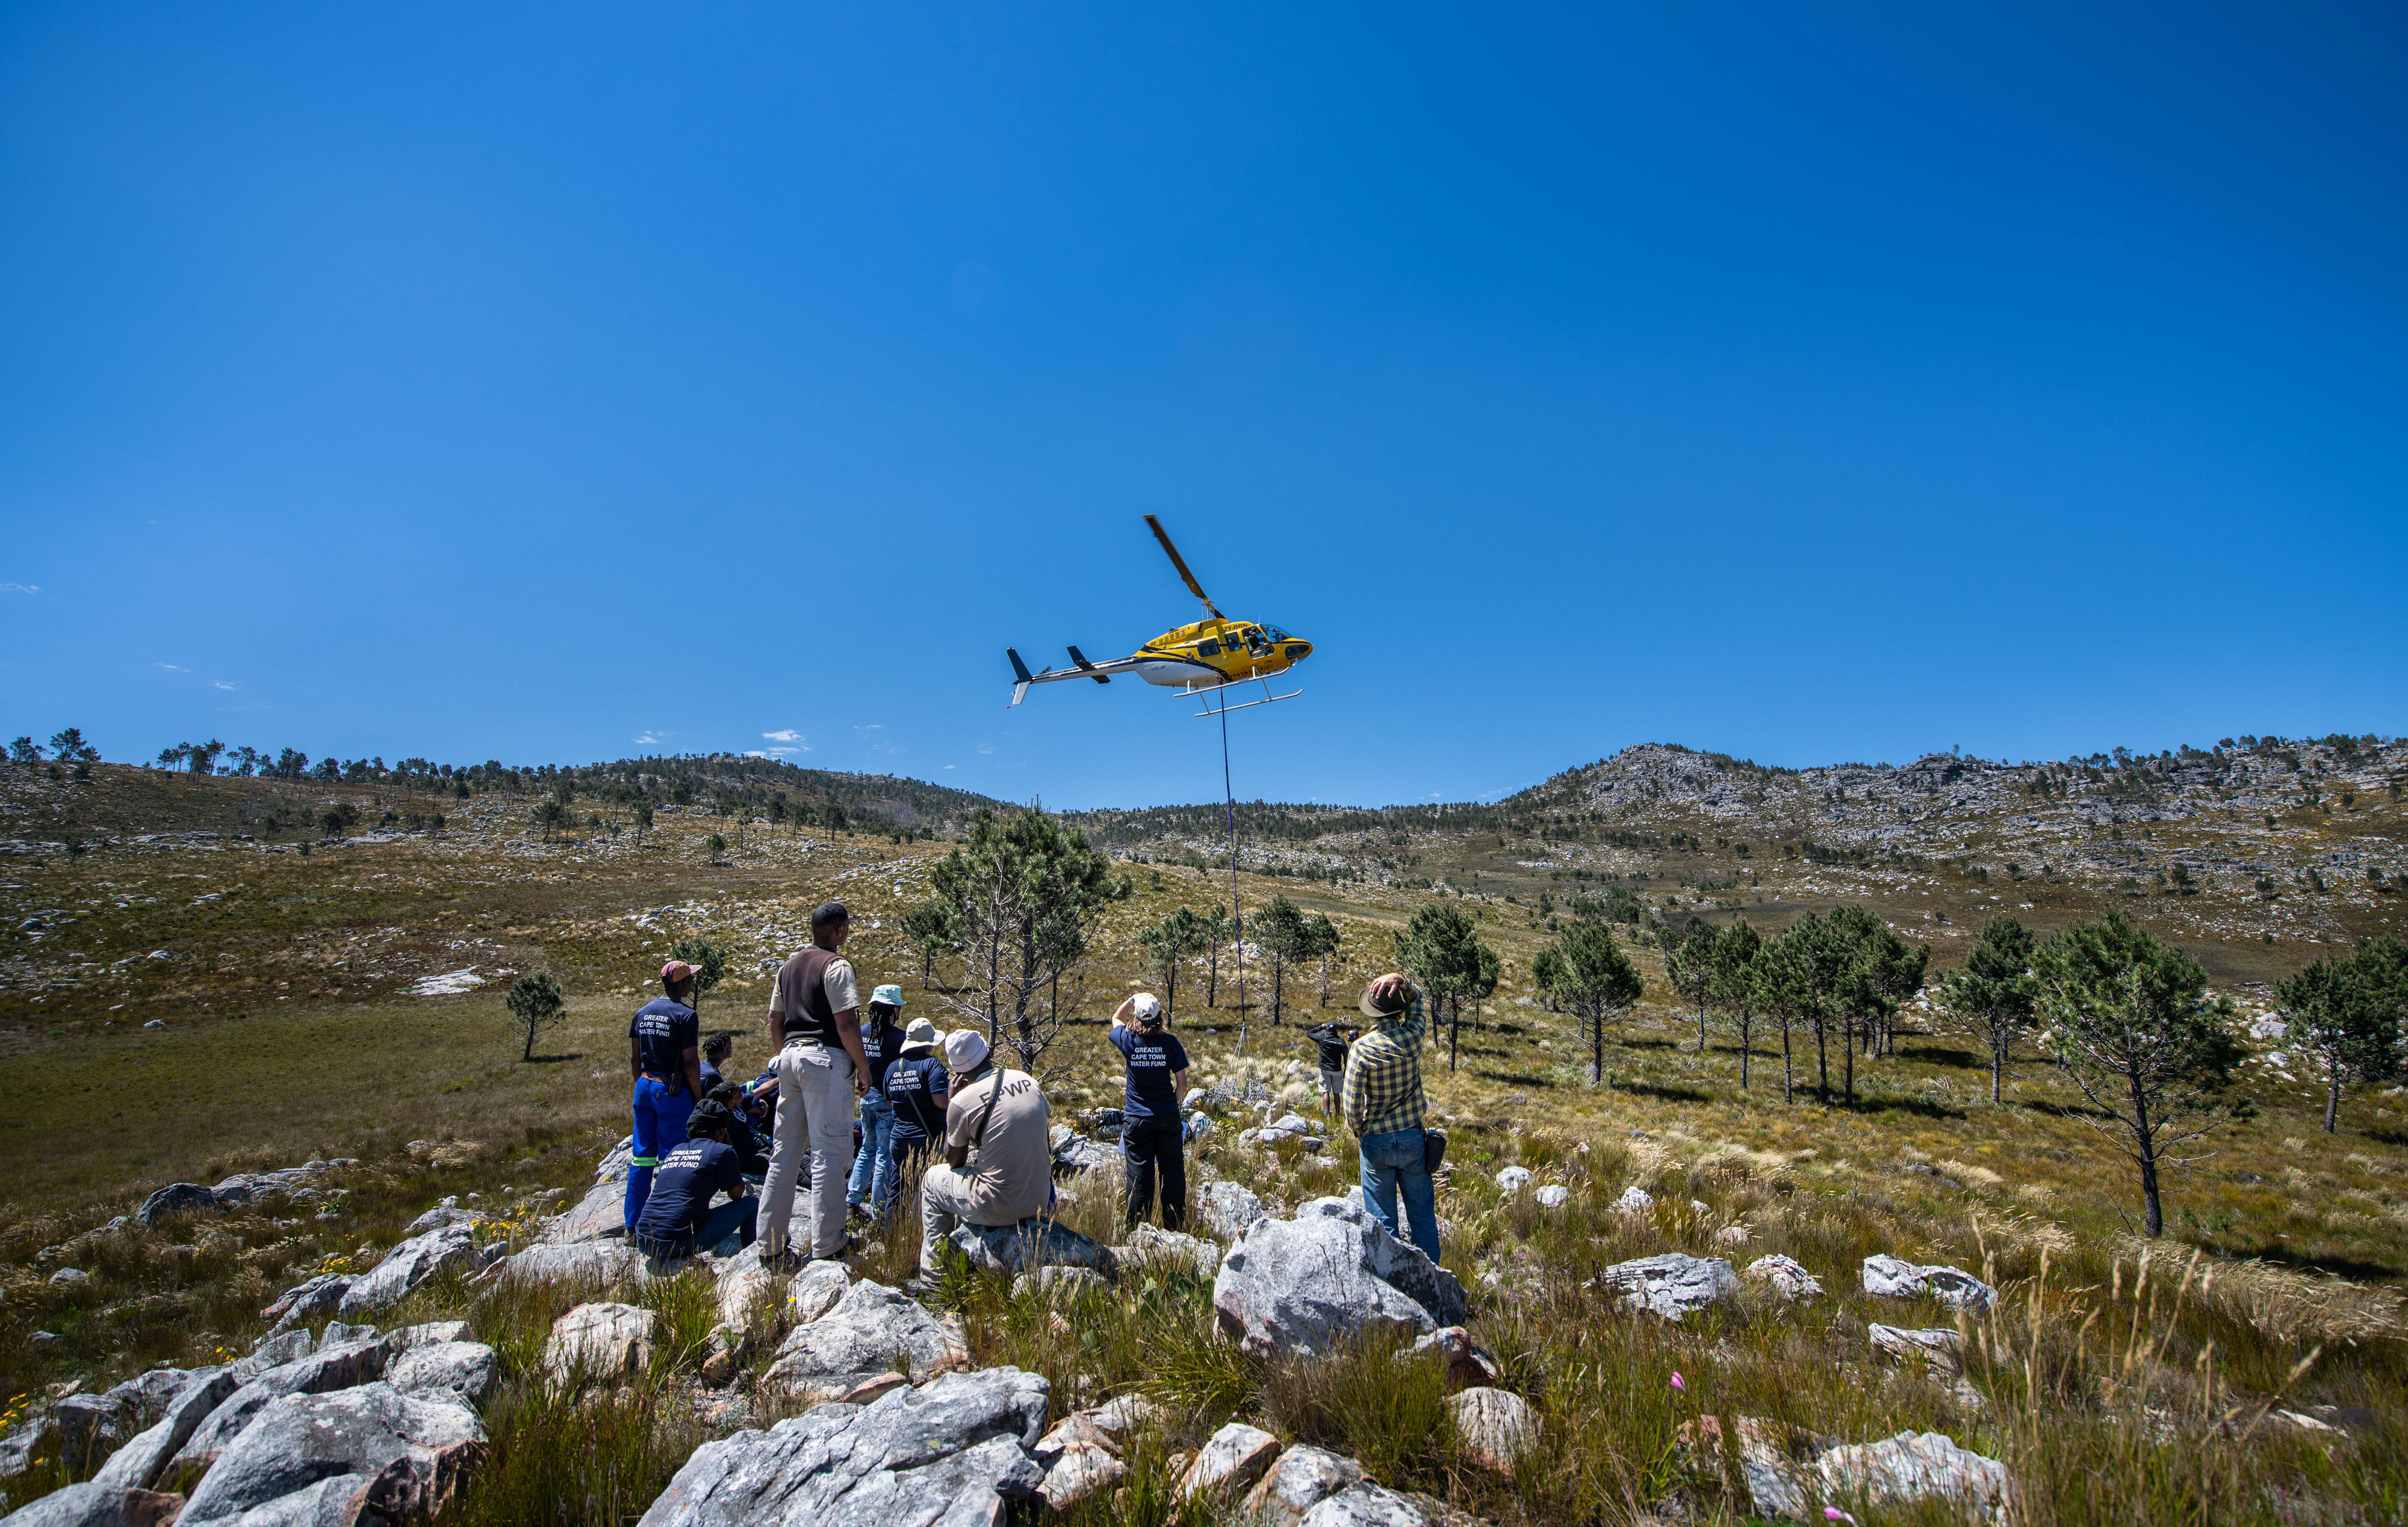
1211 710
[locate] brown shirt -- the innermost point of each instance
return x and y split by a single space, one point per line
1011 1173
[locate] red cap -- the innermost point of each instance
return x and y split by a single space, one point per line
676 970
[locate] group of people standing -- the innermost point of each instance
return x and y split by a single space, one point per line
906 1090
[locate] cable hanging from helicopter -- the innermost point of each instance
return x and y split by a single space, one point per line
1207 659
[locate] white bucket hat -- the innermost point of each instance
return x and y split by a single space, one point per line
964 1051
920 1034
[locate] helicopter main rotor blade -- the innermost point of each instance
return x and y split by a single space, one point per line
1177 561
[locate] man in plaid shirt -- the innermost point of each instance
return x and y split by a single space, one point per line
1382 1104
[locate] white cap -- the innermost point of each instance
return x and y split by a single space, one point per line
1145 1004
963 1050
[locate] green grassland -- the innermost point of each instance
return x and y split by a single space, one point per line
291 1032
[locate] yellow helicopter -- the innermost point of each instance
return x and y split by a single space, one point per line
1206 658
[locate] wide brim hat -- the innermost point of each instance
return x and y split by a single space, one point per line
965 1050
887 997
1371 1008
920 1034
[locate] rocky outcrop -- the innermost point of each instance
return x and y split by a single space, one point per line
1229 1462
1672 1284
1307 1284
368 1453
1034 1242
952 1451
406 1266
1498 1428
1938 1345
1785 1278
1080 1460
1228 1208
601 1262
306 1301
871 1330
339 1365
598 1343
1915 1467
1892 1277
1169 1251
600 1214
1468 1364
175 1199
1301 1480
1366 1505
98 1505
461 1372
242 1188
138 1463
816 1289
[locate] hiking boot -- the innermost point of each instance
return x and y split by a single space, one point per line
788 1261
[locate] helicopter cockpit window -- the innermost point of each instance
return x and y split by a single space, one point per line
1275 633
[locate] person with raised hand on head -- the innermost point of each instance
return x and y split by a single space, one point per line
917 1088
677 1217
1151 1138
873 1166
1383 1106
1000 1114
662 1050
814 1029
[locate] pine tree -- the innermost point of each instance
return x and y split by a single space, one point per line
1595 980
1731 982
710 962
1994 989
2346 1012
536 1005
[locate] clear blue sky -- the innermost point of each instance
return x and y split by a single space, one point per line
1812 384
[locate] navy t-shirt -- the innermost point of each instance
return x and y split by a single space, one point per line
681 1188
1333 1045
912 1085
881 1042
663 1031
1152 1058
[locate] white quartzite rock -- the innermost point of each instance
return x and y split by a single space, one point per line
952 1451
1553 1196
600 1262
1497 1427
1169 1250
1228 1208
602 1213
462 1371
1785 1277
1634 1200
1938 1345
1229 1462
1890 1277
1306 1284
1302 1478
373 1449
138 1465
1915 1467
1366 1505
1672 1284
598 1343
816 1288
872 1330
98 1505
407 1265
1079 1460
1513 1179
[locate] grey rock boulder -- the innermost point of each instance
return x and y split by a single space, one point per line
1513 1179
1498 1427
1303 1477
1788 1278
602 1213
386 1456
275 1351
1307 1284
1672 1284
870 1330
1034 1242
1468 1364
336 1367
461 1372
951 1452
598 1343
426 1336
1229 1462
1366 1505
305 1302
602 1263
175 1199
98 1505
1080 1460
1553 1196
406 1266
440 1217
613 1166
138 1465
1228 1208
816 1289
1915 1467
1634 1200
1170 1251
1893 1277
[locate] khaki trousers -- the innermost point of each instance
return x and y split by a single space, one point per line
815 1112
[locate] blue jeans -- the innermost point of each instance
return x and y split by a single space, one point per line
1392 1162
873 1167
660 1125
739 1216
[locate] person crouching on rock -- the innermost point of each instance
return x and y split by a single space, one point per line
917 1088
1152 1138
1002 1114
661 1047
677 1217
1383 1105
